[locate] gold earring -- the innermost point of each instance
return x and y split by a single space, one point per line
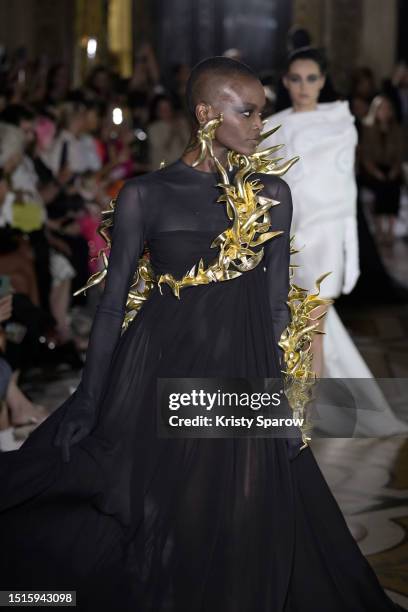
204 139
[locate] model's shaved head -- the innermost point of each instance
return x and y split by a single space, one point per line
211 77
221 86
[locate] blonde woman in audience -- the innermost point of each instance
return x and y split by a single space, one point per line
382 150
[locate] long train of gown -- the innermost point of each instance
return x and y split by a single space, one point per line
137 522
342 360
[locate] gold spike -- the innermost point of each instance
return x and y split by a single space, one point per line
284 168
266 135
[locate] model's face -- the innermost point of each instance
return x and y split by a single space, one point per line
304 82
241 101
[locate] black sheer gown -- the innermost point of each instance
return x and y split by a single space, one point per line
135 522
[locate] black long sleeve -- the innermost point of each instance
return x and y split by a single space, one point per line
127 246
277 260
277 253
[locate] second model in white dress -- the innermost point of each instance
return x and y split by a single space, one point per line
324 196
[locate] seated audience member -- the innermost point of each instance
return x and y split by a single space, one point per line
53 270
381 161
168 132
16 255
16 410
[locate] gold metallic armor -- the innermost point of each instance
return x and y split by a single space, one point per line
296 343
247 211
250 227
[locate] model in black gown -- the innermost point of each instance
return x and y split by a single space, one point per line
135 522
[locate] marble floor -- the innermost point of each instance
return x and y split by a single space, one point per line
369 477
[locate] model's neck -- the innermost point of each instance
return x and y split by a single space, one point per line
297 108
207 165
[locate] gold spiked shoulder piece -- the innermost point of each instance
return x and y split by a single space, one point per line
238 245
248 212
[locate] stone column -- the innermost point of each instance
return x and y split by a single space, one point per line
120 34
378 38
344 26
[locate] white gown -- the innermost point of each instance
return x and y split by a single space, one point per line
324 223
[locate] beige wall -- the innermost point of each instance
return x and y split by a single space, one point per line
354 32
120 34
379 36
311 15
16 19
43 26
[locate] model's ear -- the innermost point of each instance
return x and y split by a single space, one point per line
203 112
285 81
322 82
